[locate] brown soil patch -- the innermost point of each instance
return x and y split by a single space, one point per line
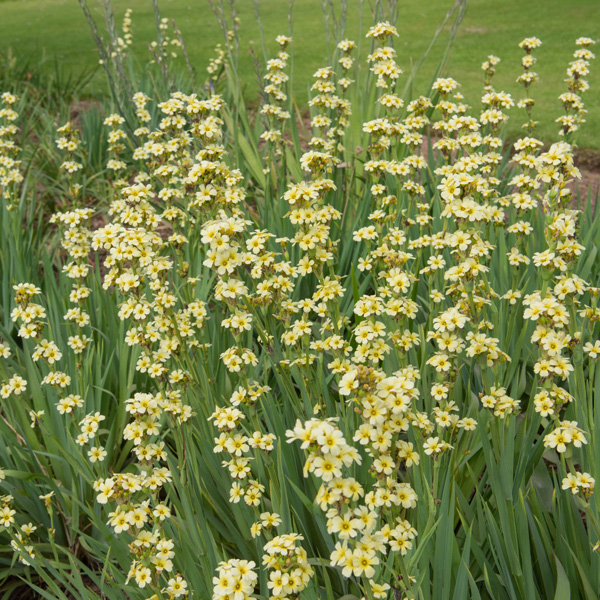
79 107
588 163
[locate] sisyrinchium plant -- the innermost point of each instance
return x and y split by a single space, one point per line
346 355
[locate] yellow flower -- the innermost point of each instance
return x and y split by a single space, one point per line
363 564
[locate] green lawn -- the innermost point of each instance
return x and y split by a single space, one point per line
57 28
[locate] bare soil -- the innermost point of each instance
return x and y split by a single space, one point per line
588 163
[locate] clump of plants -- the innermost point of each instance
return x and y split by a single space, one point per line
245 363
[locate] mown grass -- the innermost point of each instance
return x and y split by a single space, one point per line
55 31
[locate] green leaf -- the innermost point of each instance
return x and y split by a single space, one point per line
563 587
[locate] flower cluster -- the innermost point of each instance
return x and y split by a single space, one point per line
331 120
362 525
273 111
489 68
240 447
235 578
579 482
10 171
116 146
577 85
527 78
290 571
166 46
